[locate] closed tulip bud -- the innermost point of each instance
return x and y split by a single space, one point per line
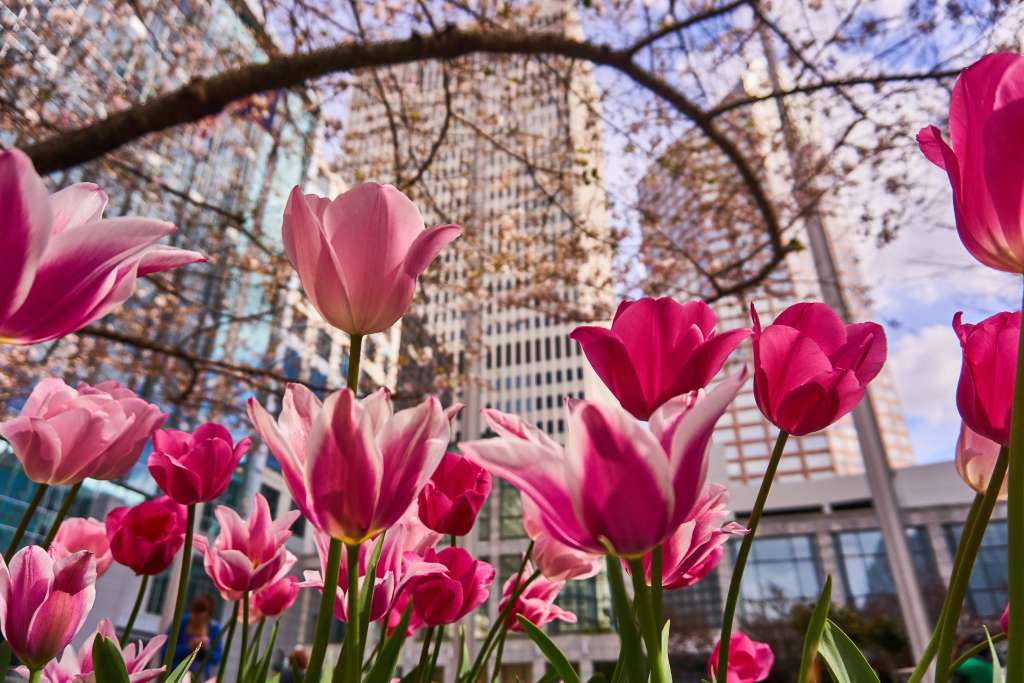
64 435
657 349
274 598
536 602
44 602
358 256
64 264
975 459
447 596
80 533
248 555
196 467
452 499
146 537
984 393
810 369
985 165
749 660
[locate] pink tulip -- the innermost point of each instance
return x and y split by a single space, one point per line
975 459
146 537
555 560
452 499
196 467
80 533
63 435
810 369
696 546
65 265
353 466
986 163
44 601
657 349
1004 620
399 564
749 660
77 667
359 255
615 481
536 602
984 394
248 554
447 596
274 599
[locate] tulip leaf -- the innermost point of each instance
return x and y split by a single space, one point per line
384 668
259 670
815 628
181 670
5 659
997 668
632 660
107 661
550 676
597 678
555 657
463 654
844 661
366 590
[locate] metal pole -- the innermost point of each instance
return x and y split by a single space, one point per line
865 419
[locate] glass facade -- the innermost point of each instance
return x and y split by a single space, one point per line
782 572
987 589
697 605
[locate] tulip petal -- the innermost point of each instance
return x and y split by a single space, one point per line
816 320
427 245
77 205
25 220
610 359
864 351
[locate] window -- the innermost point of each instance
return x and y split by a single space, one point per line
782 571
292 364
986 593
323 345
273 497
581 598
510 521
696 605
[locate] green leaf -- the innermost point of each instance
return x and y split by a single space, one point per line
598 678
814 630
5 659
181 670
844 661
258 672
634 664
107 661
366 590
384 668
464 660
550 650
997 668
550 676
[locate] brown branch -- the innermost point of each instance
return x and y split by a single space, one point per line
677 26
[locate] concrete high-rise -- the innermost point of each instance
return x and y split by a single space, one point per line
519 168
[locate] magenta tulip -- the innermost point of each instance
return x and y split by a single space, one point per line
984 394
986 163
196 467
554 559
810 369
536 602
447 596
452 499
63 435
696 546
615 482
274 599
749 660
353 466
657 349
248 555
44 601
65 265
399 564
77 667
80 533
975 459
146 537
359 255
1004 620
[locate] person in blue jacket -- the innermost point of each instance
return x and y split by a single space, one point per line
199 630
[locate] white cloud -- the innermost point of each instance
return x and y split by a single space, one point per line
926 366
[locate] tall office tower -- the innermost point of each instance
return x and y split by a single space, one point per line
519 168
224 183
696 204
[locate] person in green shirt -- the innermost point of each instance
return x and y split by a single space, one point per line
977 669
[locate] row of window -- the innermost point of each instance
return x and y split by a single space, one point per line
551 348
